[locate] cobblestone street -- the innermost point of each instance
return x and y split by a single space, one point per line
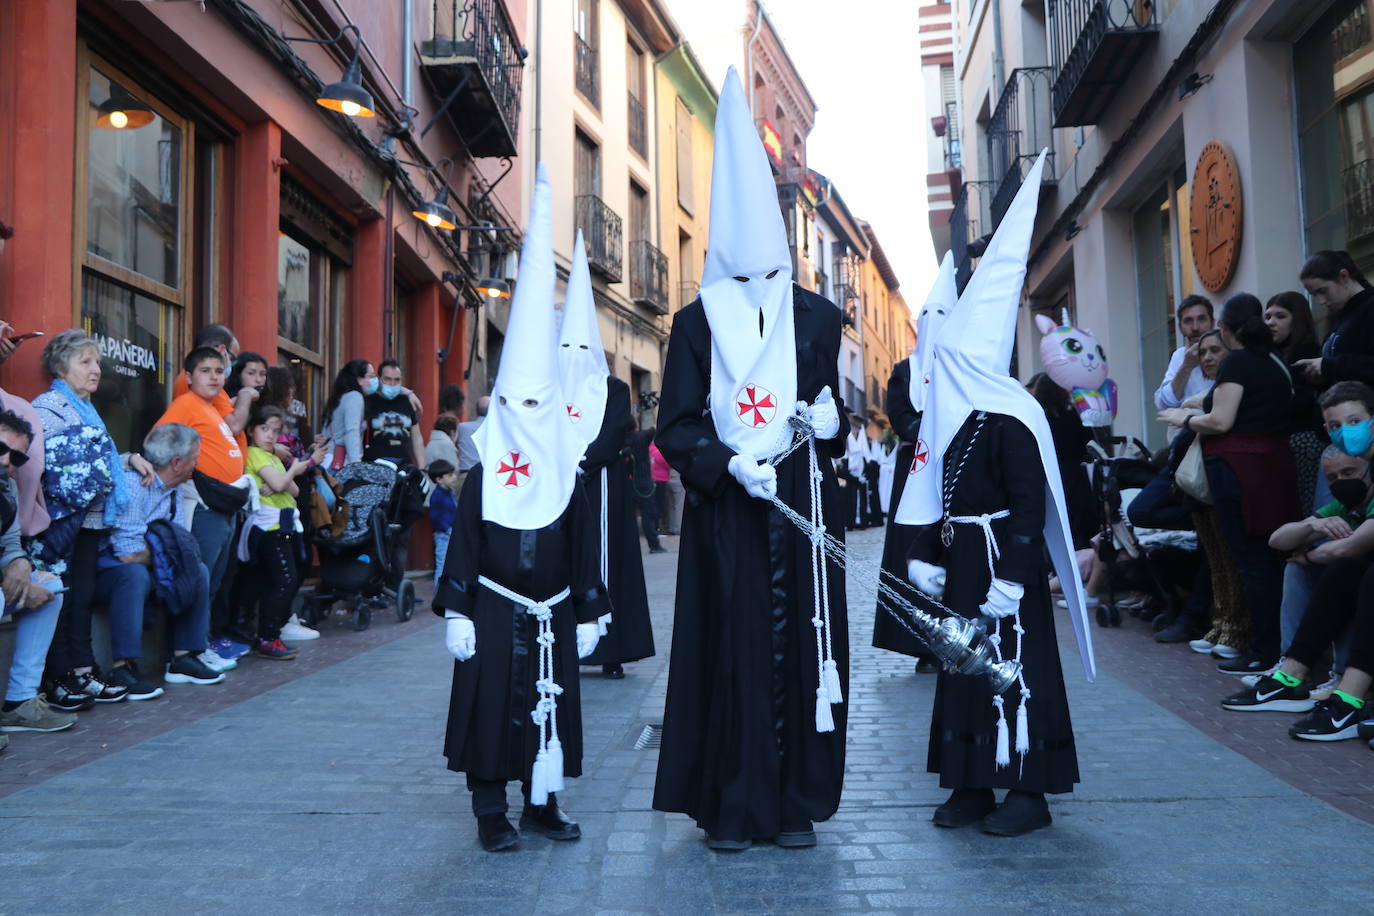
328 794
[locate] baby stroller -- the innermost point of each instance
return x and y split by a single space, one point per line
1126 466
361 564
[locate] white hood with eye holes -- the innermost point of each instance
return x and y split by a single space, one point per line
746 289
529 453
581 358
939 303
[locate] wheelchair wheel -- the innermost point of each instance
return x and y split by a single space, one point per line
405 600
362 615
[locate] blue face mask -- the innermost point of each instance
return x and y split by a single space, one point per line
369 385
1353 439
391 391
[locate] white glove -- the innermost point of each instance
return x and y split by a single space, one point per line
927 577
588 636
460 637
759 480
823 415
1003 600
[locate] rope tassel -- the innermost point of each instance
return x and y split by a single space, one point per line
1022 729
1003 753
539 780
553 766
825 722
832 681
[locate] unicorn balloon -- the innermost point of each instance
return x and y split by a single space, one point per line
1076 362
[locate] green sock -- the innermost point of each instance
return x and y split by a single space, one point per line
1349 698
1286 679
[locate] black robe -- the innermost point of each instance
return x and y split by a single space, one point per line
630 636
491 735
906 423
1003 471
740 751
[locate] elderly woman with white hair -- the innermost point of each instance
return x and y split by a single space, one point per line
85 489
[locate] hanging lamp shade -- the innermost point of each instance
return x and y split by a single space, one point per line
437 213
494 288
121 111
348 95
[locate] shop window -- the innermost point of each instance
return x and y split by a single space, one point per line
310 287
1154 240
133 237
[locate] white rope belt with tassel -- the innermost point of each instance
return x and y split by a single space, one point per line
547 775
994 552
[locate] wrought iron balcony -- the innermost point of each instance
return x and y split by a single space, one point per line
586 71
849 317
473 59
970 219
1094 44
604 234
1020 127
1352 32
1359 200
649 276
639 126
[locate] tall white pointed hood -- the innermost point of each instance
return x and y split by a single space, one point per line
529 448
940 302
581 358
969 372
746 289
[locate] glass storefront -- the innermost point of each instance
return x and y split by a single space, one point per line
137 336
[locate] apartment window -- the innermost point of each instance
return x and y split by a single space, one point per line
638 120
639 214
135 243
682 127
586 166
585 51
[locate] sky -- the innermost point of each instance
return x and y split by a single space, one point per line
863 68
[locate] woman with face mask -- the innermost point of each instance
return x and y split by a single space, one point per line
1244 424
343 412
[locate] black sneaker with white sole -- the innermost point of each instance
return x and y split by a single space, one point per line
1269 695
189 669
127 676
96 683
66 695
1366 730
1249 663
1333 719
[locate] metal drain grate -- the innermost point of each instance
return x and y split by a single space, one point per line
652 736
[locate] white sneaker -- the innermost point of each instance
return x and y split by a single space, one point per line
1089 603
1200 646
1251 680
1225 652
1323 691
215 663
295 631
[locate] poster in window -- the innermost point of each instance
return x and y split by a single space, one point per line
135 334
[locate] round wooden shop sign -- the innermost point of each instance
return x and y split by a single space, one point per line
1215 216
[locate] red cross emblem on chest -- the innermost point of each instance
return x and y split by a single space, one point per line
514 470
756 406
921 458
574 414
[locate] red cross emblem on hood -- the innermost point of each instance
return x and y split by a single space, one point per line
574 414
514 470
756 406
921 458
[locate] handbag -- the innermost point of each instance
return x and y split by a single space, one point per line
1191 474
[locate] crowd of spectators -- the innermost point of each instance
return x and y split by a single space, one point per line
197 537
1266 478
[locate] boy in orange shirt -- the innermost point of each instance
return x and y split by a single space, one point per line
221 464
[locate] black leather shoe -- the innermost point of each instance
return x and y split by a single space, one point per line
964 807
798 835
496 833
613 672
1019 814
549 820
927 666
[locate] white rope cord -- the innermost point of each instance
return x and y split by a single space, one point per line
547 774
604 619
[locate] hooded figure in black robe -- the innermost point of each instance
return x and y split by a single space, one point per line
754 724
629 634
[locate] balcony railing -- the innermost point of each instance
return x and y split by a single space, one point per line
1094 44
474 59
649 276
1352 32
586 71
605 239
954 154
639 126
1359 200
687 291
970 219
1020 127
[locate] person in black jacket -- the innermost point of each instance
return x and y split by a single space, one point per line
1347 353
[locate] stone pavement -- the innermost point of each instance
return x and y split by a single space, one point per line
327 794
